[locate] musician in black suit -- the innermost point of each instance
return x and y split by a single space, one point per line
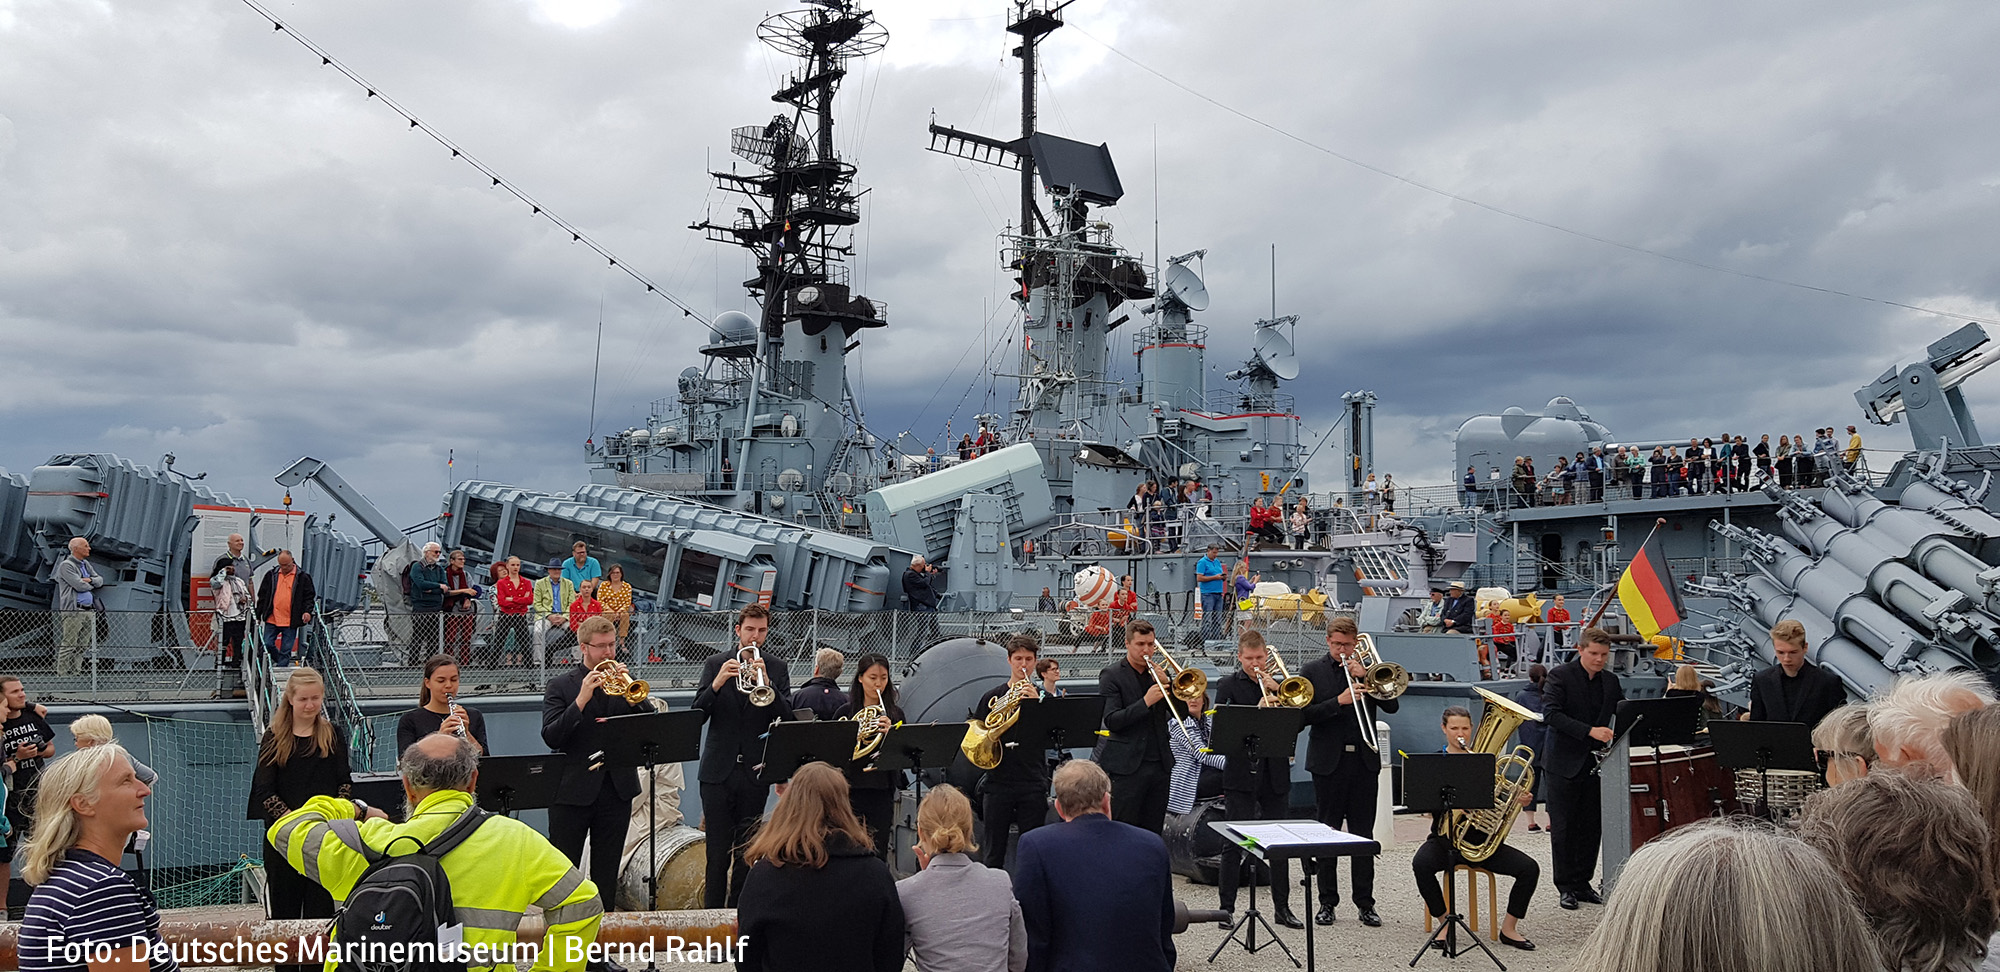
1345 771
1017 790
1257 789
594 803
731 797
1794 690
1578 700
1136 713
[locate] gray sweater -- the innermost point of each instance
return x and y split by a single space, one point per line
961 916
73 576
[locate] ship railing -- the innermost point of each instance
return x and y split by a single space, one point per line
1230 402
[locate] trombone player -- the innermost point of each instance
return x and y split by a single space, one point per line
732 799
1137 710
1340 754
1432 858
1262 794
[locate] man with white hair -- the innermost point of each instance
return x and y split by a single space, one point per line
821 693
76 595
1906 720
427 590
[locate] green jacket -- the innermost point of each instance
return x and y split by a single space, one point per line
545 599
499 871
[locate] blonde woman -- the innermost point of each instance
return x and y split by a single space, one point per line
300 757
89 806
95 730
958 913
1844 743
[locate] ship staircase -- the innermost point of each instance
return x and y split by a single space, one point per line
1380 570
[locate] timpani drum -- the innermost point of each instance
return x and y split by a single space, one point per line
1694 785
683 872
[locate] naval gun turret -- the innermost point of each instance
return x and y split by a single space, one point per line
1926 391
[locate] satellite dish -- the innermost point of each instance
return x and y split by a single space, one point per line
1274 351
1186 286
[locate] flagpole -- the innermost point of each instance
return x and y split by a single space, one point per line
1601 608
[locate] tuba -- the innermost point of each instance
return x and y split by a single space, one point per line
1293 692
618 681
1479 833
750 680
1382 680
981 744
867 734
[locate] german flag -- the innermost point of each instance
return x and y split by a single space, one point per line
1647 591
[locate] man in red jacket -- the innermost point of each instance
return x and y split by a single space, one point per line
513 596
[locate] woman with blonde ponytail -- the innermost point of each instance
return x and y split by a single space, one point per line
959 914
300 757
89 805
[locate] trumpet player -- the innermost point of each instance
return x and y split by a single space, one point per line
1017 790
1136 754
1432 858
872 792
1259 793
438 709
1346 771
594 799
731 797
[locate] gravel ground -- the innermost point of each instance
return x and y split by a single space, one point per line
1347 944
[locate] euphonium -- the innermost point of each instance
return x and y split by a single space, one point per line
981 744
618 681
1293 692
867 731
750 679
1479 833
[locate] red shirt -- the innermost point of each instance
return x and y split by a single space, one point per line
1558 615
582 608
1503 630
1123 604
514 595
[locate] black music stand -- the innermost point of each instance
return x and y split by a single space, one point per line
510 783
915 747
790 745
1254 733
1763 746
1442 783
1656 723
648 739
1065 722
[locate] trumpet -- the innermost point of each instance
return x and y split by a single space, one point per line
750 680
867 731
618 681
1383 680
1293 691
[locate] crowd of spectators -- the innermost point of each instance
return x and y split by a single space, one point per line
1729 464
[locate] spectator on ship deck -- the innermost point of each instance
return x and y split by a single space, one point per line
427 589
581 566
919 585
1853 456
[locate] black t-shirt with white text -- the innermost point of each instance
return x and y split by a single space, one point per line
30 729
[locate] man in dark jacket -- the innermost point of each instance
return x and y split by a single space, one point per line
1579 699
1458 609
731 796
1794 690
1095 894
1346 773
285 600
427 589
821 693
1257 789
594 803
1137 754
920 585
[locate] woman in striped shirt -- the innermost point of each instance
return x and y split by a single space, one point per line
1184 786
86 912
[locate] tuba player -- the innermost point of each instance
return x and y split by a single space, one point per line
1436 855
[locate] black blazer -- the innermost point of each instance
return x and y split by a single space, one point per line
1818 693
1274 773
1095 894
1459 611
1022 767
1570 713
1137 730
578 735
1335 732
735 727
843 917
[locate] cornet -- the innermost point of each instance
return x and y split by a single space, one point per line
618 681
1293 691
750 680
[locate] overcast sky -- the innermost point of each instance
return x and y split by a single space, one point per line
212 245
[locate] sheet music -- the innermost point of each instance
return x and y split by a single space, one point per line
1297 832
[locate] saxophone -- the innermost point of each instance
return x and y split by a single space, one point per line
1478 834
982 736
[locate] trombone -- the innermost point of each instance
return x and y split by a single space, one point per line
750 680
1382 680
1180 682
1293 691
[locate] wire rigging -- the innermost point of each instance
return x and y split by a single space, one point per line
1520 216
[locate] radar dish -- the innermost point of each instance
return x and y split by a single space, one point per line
1274 351
1186 286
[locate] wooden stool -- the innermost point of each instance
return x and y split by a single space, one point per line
1468 904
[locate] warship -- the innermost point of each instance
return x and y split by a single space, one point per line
760 482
